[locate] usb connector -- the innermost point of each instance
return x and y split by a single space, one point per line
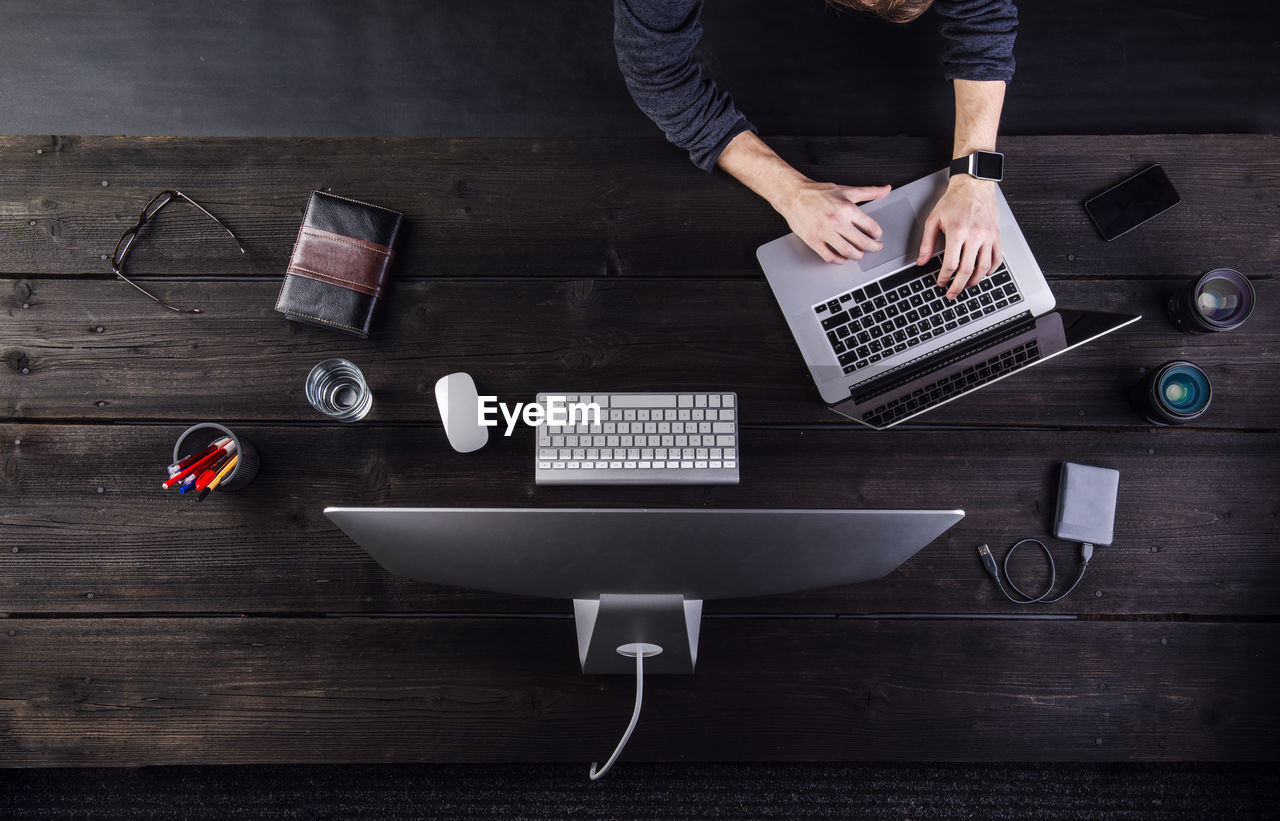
988 561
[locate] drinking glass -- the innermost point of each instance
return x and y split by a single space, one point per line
337 389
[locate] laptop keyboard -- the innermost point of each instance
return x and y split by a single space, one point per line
952 385
898 312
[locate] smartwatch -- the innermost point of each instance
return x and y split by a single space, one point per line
984 165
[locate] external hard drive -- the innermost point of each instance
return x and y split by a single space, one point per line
1086 504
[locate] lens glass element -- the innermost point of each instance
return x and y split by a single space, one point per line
1220 299
1184 389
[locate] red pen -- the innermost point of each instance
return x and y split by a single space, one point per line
207 476
203 463
185 462
205 479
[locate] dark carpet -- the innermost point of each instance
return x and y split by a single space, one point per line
756 791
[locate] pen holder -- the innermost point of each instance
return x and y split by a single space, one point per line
197 437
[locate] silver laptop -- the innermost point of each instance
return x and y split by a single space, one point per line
881 341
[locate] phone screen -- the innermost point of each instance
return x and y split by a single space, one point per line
1124 207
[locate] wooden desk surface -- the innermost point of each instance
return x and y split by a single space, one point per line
143 629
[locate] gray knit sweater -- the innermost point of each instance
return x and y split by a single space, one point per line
655 40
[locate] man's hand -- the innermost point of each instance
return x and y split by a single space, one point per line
827 217
968 217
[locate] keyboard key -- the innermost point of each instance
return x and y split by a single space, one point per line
643 400
835 321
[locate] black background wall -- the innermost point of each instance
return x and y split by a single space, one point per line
512 68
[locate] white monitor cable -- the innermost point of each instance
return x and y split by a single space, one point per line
639 651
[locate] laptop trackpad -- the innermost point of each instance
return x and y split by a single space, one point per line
898 223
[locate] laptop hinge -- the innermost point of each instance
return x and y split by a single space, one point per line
910 371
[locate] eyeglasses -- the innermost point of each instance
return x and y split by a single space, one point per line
126 242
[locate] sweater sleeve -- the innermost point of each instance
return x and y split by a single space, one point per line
655 41
979 35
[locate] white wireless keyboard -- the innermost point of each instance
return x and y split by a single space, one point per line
643 439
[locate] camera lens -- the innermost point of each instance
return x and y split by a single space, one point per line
1221 300
1173 394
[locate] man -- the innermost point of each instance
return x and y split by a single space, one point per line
655 41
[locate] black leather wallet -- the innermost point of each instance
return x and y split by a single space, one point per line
338 269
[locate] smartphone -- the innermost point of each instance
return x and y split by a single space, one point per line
1123 207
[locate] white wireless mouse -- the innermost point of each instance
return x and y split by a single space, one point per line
458 400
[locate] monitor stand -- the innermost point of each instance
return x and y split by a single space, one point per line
615 619
619 627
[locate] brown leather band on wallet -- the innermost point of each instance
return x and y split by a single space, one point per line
340 260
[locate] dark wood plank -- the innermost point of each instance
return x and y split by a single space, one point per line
120 692
101 351
484 207
87 530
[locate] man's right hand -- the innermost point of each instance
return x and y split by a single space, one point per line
827 217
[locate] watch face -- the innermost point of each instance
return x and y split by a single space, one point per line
988 165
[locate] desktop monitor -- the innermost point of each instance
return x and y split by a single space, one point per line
590 555
638 577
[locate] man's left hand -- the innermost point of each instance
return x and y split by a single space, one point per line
968 217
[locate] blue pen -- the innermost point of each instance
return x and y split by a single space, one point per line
187 484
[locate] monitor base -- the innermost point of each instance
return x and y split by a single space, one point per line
608 623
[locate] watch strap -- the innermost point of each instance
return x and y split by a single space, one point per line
960 165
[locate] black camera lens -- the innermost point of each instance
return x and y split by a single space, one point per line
1173 394
1221 300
